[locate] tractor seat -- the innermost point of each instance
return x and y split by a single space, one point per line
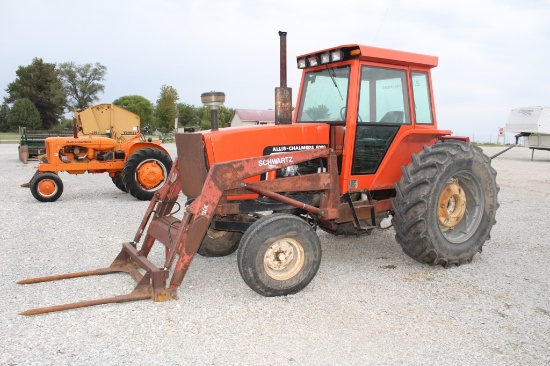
393 117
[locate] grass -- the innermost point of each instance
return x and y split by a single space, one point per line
9 138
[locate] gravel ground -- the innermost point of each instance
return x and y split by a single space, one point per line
369 303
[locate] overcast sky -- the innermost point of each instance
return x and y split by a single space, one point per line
493 55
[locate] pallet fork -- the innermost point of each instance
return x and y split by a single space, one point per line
182 238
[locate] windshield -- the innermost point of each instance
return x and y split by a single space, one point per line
324 95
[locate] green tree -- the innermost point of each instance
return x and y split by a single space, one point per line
82 83
23 113
224 117
187 115
166 111
40 83
138 105
319 112
4 111
65 124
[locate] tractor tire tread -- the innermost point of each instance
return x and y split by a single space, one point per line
416 225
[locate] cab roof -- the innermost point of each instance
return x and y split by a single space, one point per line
382 55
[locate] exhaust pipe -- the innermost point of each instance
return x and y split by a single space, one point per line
283 94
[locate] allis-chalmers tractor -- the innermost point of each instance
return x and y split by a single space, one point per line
363 145
106 140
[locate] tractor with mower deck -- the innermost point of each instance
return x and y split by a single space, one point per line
363 145
106 139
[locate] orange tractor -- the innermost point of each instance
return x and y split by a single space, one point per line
106 140
363 146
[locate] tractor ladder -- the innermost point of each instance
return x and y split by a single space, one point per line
182 238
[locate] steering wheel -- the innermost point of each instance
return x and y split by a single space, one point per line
343 115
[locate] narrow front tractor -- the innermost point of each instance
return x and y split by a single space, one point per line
363 146
106 139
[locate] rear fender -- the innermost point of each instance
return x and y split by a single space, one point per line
133 147
460 138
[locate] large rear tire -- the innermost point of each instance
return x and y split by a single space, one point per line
445 204
145 172
218 243
279 255
117 180
46 187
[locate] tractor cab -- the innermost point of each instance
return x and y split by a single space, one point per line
371 97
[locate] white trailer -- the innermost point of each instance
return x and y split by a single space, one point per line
532 123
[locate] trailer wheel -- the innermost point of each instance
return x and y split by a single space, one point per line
279 255
445 204
145 172
219 243
117 180
46 187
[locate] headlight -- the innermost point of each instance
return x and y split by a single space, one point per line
336 55
302 63
313 61
325 58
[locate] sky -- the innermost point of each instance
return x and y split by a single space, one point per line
493 55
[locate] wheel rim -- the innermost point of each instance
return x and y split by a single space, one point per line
460 207
452 204
150 174
284 259
47 187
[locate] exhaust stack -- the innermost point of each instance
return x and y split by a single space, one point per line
283 94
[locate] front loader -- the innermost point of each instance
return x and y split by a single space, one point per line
363 146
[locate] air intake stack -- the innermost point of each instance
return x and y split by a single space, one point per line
283 94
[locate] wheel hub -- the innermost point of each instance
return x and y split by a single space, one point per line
47 187
284 259
452 204
149 174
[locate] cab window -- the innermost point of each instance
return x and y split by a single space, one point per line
324 95
383 96
422 100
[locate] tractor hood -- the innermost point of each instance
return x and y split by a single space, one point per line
198 151
251 141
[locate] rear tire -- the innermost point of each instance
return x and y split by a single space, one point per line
279 255
117 180
145 172
218 243
46 187
445 204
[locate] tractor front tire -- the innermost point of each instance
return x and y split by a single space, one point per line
219 243
46 187
145 172
117 180
279 255
445 204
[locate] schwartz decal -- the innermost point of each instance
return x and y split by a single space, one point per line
275 161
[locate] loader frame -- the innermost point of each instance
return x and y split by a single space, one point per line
182 237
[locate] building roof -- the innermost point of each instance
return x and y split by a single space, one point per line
258 115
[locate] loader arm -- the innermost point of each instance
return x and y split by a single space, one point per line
182 238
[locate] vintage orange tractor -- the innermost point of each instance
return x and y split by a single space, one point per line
106 139
363 146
